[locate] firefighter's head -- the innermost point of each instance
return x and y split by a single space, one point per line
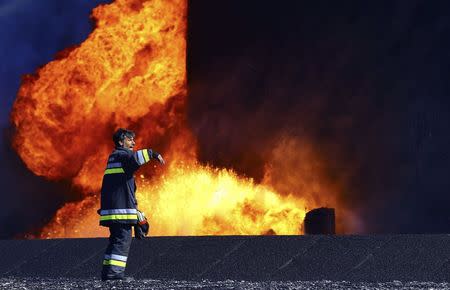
124 138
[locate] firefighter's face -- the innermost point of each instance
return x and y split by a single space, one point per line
128 143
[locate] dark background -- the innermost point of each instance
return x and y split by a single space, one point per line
365 82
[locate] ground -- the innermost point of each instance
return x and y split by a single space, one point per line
73 283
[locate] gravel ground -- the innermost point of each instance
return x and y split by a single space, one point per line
72 283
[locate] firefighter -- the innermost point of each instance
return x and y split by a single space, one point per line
118 201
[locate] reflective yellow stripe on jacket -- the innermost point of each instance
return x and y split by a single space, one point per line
118 217
114 170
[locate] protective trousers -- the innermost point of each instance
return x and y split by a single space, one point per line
116 253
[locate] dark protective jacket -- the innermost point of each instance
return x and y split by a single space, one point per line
118 199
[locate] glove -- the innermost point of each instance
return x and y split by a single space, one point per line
138 232
161 160
142 227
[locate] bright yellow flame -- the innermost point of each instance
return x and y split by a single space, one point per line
198 200
191 199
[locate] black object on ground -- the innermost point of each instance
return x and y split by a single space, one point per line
320 221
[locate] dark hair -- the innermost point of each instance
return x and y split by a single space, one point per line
120 135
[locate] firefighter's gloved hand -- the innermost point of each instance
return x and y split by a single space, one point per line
161 160
138 232
142 227
141 230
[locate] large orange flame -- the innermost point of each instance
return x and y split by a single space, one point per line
131 72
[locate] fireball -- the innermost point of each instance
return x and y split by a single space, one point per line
131 72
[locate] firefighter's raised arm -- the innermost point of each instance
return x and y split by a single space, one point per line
145 155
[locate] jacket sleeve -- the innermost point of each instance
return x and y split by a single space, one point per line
134 160
145 155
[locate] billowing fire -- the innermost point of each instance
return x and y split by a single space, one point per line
190 199
131 72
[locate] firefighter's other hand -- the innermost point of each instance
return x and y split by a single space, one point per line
161 160
139 232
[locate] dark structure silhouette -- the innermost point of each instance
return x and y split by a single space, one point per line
320 221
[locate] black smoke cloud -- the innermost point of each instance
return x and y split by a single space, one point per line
28 201
31 33
365 83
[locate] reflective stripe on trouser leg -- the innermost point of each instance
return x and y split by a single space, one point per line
116 254
115 260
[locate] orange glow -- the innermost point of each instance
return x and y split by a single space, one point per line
131 72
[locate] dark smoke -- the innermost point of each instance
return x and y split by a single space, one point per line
28 201
365 83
